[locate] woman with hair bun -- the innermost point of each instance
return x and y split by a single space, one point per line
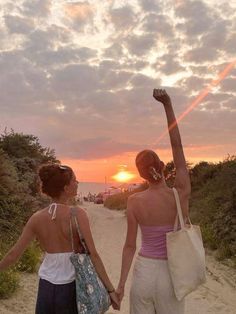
51 227
154 211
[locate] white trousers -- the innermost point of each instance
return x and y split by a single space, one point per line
152 290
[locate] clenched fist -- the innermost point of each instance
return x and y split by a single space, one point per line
162 96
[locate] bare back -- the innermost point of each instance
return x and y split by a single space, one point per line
157 207
54 234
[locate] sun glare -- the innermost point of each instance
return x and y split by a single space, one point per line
123 176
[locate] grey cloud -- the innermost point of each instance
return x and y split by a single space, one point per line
136 65
229 85
37 8
199 69
212 105
216 35
22 84
62 56
168 64
150 5
193 83
115 51
197 16
95 148
230 104
140 45
38 41
19 25
158 24
141 80
211 126
114 79
75 78
43 47
218 97
200 55
123 17
230 45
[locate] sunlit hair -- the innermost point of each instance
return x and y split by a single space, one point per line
149 165
54 178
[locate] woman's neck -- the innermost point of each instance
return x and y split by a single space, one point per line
61 200
157 185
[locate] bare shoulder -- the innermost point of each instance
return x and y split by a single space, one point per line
138 195
135 199
81 212
36 217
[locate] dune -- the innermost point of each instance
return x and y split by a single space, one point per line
216 296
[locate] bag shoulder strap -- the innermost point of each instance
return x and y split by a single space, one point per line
179 209
82 240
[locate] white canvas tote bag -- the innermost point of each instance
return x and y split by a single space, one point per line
186 255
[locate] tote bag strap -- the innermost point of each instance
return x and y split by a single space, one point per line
82 240
71 236
179 210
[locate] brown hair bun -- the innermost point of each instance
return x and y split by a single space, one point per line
149 165
53 178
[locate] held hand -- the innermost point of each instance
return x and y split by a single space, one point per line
162 96
120 293
115 301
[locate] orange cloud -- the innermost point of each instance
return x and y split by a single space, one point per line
79 11
104 170
101 170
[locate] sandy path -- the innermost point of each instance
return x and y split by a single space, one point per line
217 296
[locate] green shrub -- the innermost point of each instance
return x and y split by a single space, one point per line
209 237
223 252
119 201
30 259
9 282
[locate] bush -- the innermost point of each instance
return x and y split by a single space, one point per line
30 259
223 252
209 237
119 201
9 282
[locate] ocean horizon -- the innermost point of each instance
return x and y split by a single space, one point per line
94 187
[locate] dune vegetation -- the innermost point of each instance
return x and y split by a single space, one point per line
20 157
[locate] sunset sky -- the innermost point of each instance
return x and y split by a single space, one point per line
79 75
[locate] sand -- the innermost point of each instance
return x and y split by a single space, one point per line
217 295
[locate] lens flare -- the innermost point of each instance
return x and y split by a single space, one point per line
200 97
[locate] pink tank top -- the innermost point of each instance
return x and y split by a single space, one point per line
154 241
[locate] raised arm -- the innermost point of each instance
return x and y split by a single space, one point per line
182 181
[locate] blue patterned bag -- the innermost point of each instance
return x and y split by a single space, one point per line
92 297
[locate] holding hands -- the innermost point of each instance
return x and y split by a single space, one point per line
120 293
115 302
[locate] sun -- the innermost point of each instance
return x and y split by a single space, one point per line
123 176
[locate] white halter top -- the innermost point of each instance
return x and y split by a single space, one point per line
56 267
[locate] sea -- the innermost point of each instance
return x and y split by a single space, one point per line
93 187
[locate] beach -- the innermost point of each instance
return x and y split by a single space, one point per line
216 296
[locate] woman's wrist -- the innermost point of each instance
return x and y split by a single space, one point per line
121 286
110 290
